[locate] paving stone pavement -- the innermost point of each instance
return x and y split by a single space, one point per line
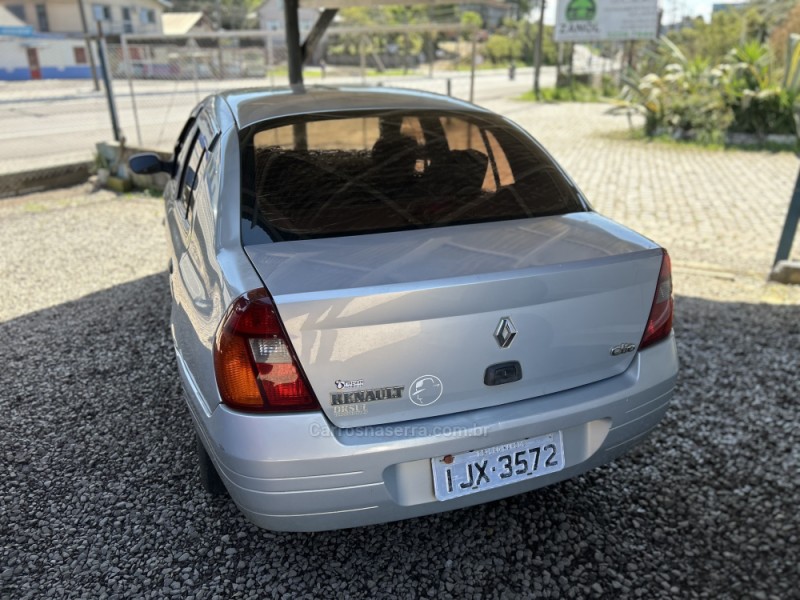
718 212
712 209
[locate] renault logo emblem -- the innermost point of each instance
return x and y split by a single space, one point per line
505 332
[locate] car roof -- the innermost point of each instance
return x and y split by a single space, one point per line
252 105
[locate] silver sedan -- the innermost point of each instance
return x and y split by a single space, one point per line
388 304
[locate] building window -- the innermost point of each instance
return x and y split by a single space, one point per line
147 16
127 24
80 55
41 18
18 10
101 12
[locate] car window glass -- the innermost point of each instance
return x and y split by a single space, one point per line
503 170
184 155
191 175
339 174
180 145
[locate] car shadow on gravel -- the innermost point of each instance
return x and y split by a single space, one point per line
100 497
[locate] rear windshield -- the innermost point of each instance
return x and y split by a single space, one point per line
344 174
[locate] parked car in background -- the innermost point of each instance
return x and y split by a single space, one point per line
388 304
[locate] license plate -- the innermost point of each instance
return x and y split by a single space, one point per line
457 475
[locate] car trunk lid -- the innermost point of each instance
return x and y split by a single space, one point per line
405 325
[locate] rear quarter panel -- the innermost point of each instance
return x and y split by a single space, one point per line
209 267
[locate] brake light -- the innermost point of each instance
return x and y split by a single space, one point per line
659 323
254 362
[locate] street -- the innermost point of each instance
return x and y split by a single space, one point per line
44 123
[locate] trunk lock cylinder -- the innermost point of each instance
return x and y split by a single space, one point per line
501 373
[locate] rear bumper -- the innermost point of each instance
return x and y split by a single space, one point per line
298 473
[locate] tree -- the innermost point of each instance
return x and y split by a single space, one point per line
472 20
713 41
779 39
499 48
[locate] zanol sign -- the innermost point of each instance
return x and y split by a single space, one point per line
606 20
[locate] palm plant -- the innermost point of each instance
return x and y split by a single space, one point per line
760 104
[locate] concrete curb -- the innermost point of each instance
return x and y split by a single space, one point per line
46 178
117 157
786 271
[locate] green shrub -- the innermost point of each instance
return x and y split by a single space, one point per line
609 86
703 116
763 112
760 105
578 93
690 100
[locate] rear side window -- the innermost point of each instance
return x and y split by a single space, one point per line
340 174
191 175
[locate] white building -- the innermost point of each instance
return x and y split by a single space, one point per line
271 18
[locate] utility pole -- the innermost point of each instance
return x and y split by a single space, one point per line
538 60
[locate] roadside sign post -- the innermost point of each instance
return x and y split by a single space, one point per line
582 21
606 20
793 215
790 226
791 81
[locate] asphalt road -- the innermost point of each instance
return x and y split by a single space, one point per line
55 122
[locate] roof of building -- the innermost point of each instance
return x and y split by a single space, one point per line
180 23
253 105
7 19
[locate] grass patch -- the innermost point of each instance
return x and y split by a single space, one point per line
638 135
485 66
284 72
578 93
398 72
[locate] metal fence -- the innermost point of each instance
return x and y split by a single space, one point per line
156 80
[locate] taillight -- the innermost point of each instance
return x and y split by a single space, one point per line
255 364
659 323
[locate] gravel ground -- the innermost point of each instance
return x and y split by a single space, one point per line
99 496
